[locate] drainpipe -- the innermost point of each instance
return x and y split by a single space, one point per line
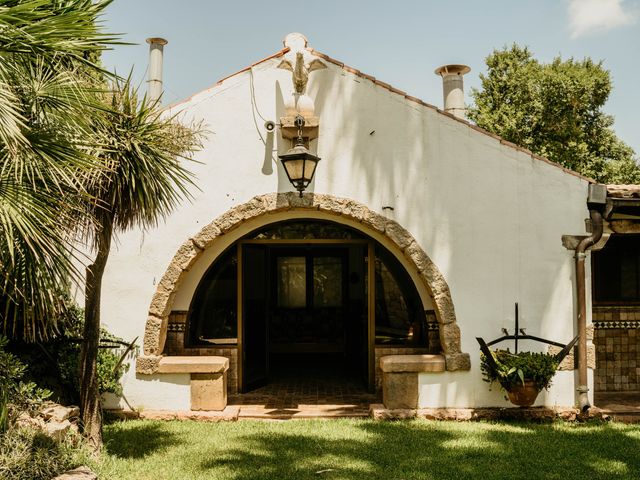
596 200
156 49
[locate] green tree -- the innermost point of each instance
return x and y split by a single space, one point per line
44 104
554 110
143 180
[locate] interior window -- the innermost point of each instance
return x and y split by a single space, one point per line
400 318
616 271
213 318
327 281
292 274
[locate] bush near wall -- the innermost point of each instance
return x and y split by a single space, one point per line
27 454
54 364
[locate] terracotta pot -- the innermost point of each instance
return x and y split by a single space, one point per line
523 395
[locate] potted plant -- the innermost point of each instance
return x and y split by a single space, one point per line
522 375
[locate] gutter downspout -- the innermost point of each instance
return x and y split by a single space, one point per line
585 243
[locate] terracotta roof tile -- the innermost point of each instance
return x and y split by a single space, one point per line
623 191
509 144
351 70
382 84
368 77
412 99
399 92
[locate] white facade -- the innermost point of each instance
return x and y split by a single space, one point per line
490 216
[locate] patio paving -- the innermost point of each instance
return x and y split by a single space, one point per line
307 391
622 406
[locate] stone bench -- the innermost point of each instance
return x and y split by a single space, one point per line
208 379
400 378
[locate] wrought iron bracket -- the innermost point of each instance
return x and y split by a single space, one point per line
520 334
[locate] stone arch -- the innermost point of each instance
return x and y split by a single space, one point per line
191 250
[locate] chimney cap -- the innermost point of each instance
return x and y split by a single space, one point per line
158 40
453 69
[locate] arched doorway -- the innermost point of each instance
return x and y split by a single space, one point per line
165 325
311 298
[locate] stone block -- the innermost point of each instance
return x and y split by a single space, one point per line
377 411
205 237
400 391
60 413
412 363
417 256
444 305
57 430
458 362
450 338
208 391
251 209
152 335
375 221
171 278
193 364
147 364
161 301
331 204
294 200
356 211
186 255
401 237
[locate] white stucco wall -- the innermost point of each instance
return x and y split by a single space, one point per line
489 216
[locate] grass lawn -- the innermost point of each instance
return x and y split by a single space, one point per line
365 449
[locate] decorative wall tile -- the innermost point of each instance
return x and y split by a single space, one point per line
617 341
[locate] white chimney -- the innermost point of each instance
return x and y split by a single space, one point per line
156 47
453 88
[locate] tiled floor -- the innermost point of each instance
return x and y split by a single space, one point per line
621 401
621 406
307 389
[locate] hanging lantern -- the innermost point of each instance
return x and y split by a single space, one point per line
298 162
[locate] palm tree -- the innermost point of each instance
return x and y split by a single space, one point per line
142 182
45 47
70 156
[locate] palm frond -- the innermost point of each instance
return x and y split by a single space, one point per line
49 89
144 157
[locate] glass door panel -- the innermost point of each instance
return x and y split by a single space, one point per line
327 282
292 282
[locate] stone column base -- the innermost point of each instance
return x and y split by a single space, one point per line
400 390
400 378
208 391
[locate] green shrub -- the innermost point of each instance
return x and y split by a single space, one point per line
516 368
55 363
27 454
15 394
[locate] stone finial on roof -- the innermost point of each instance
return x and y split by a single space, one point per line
295 41
300 62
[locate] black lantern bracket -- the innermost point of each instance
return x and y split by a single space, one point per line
520 334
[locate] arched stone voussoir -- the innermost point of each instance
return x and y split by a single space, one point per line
190 251
155 334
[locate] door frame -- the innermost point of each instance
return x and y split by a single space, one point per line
371 334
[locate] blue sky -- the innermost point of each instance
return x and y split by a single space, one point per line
399 42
